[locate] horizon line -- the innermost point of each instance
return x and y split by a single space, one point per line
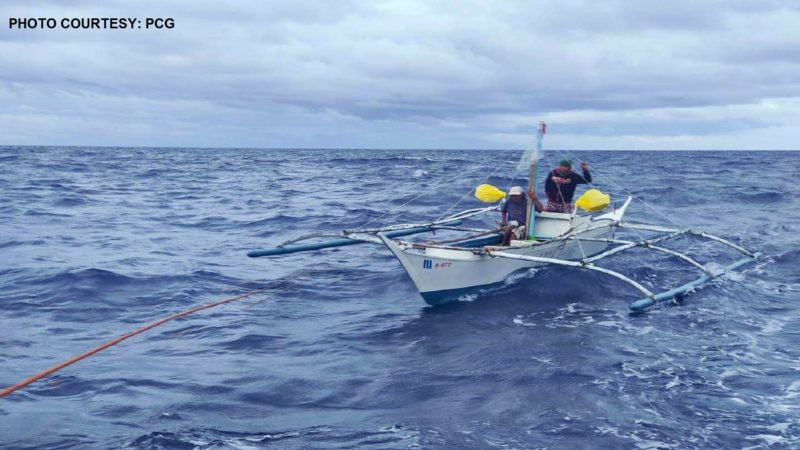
388 148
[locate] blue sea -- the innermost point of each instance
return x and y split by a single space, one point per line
340 351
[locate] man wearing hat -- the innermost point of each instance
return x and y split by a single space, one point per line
560 186
515 211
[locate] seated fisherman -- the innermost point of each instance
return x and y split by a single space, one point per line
515 211
560 186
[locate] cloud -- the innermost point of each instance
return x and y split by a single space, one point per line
404 74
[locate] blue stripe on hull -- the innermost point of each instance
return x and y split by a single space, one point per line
435 298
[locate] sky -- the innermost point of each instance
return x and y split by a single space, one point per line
612 74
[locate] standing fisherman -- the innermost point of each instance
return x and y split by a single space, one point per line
560 186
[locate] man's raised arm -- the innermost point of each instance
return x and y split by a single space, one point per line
587 177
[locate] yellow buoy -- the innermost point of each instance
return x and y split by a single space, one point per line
593 200
489 194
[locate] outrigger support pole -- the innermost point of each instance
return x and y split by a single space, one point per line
341 241
645 303
577 264
658 229
650 298
358 236
647 244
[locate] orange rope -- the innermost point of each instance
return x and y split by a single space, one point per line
117 340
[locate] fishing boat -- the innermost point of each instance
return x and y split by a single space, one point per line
445 270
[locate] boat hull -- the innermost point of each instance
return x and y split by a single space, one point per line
443 275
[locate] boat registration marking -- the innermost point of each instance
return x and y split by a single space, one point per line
429 264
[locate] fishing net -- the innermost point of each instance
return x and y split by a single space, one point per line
534 151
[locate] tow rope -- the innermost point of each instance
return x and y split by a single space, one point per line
117 340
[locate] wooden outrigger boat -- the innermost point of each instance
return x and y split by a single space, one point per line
445 270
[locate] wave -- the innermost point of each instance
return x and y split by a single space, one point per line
381 159
69 201
37 212
323 436
21 243
98 278
759 197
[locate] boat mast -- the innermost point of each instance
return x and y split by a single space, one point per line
531 214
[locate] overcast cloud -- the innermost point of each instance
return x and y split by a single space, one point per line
400 74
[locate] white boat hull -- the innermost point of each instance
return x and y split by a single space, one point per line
443 274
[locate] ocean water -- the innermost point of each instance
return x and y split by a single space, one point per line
340 351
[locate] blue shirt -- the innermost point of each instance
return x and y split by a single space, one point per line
516 210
